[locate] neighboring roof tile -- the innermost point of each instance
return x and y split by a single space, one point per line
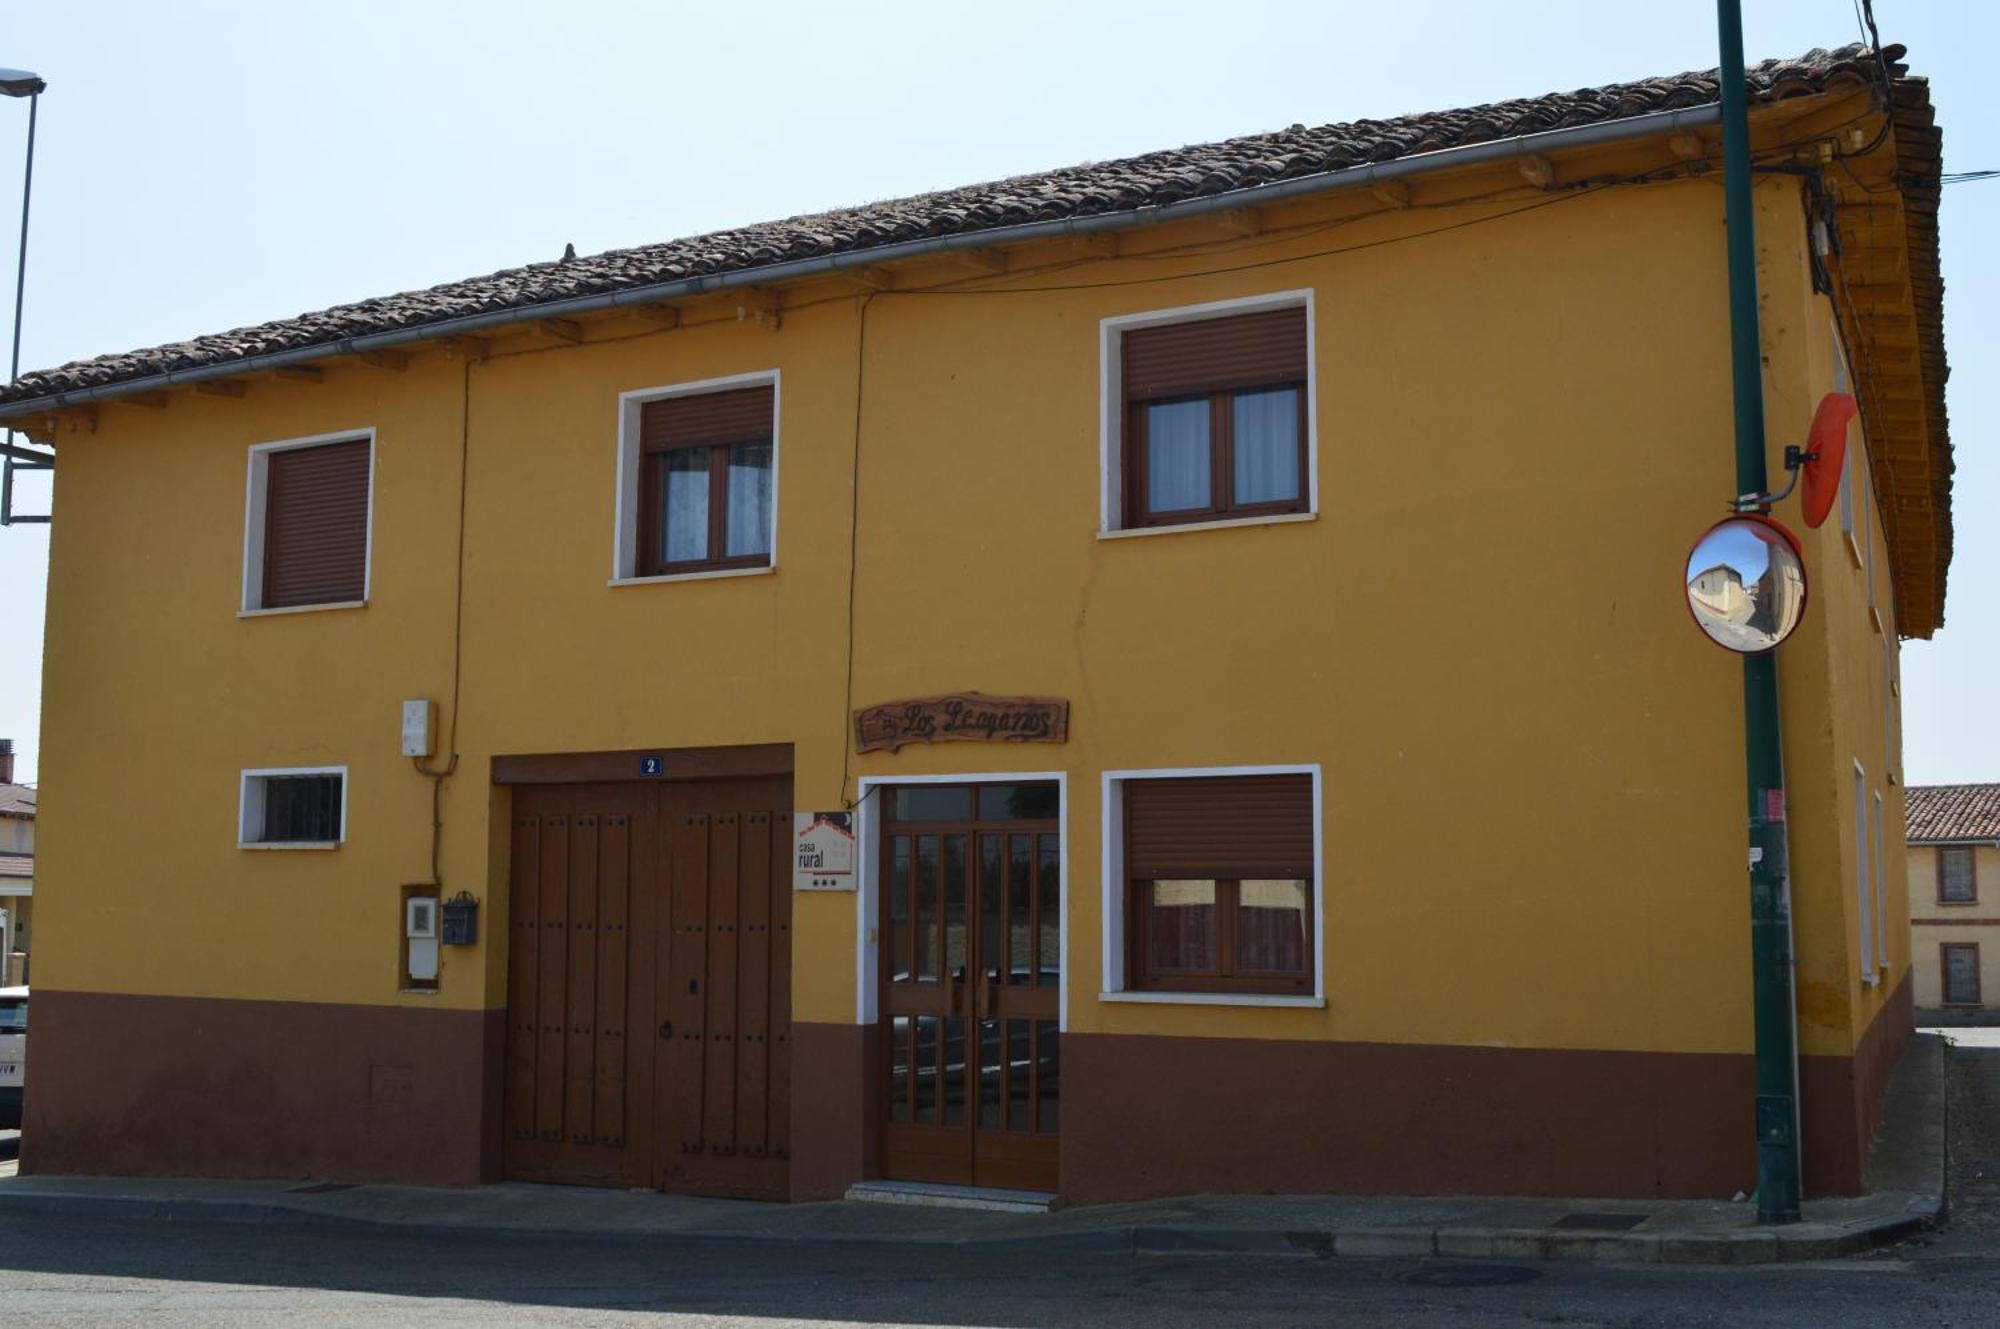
17 865
17 800
1952 812
1077 191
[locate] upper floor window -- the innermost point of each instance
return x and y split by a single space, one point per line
306 527
1213 409
698 478
1956 881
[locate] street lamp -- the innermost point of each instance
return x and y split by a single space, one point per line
21 83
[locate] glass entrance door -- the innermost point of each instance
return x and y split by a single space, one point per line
971 972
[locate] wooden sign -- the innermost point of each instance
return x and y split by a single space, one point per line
962 716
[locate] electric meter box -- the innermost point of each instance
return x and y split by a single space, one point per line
419 720
420 932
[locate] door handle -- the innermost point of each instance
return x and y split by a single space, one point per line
666 1029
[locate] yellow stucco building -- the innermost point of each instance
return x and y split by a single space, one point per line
1347 803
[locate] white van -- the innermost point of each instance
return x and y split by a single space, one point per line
13 1054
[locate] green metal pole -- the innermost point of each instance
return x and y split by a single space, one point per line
1770 877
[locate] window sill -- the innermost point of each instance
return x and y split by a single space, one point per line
288 844
1178 528
302 609
712 575
1212 999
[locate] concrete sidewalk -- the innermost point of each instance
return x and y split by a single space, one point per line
1906 1195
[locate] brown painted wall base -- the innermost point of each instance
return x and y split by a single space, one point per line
1840 1098
1145 1117
196 1087
835 1105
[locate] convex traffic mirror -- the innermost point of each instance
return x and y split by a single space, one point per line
1746 583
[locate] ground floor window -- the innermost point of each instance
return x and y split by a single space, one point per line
304 808
1961 973
1219 882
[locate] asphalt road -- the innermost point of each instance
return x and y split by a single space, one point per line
63 1272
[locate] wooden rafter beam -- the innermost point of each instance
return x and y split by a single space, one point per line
562 329
299 373
394 361
220 387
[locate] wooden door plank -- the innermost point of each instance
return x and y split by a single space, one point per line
550 1003
753 1022
614 885
524 909
580 1023
780 1066
690 895
719 1073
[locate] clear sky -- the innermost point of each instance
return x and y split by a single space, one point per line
202 166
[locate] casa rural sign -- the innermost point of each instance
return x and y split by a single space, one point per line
961 716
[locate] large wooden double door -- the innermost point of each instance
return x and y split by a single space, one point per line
649 986
971 975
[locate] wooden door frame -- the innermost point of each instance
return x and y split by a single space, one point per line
868 899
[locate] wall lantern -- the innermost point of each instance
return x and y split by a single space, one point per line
461 920
1746 575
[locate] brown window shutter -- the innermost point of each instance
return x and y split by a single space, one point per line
737 416
1220 826
316 525
1213 354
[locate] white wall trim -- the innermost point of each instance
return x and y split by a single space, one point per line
1112 886
256 488
625 481
1111 391
868 899
249 818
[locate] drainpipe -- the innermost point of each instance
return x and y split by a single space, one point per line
1764 758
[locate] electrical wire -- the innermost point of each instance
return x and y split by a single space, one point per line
854 534
437 777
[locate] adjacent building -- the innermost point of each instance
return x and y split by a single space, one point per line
1954 857
1218 613
17 870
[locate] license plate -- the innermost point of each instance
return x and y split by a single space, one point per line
10 1073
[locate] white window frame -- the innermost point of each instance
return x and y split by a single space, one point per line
256 499
250 809
1112 903
1881 893
625 494
868 898
1111 410
1863 895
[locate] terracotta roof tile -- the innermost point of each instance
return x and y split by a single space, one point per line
17 800
1077 191
1952 812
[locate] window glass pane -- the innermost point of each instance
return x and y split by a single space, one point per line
930 802
1048 1074
899 1068
899 910
1957 864
992 893
1271 926
685 537
1049 961
1018 802
1961 975
1177 456
1019 1066
989 1074
1181 931
13 1017
954 907
954 1071
301 809
927 909
749 527
1266 430
926 1070
1020 900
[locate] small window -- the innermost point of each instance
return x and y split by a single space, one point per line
1215 418
1219 884
1957 883
294 808
308 524
1961 973
706 469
